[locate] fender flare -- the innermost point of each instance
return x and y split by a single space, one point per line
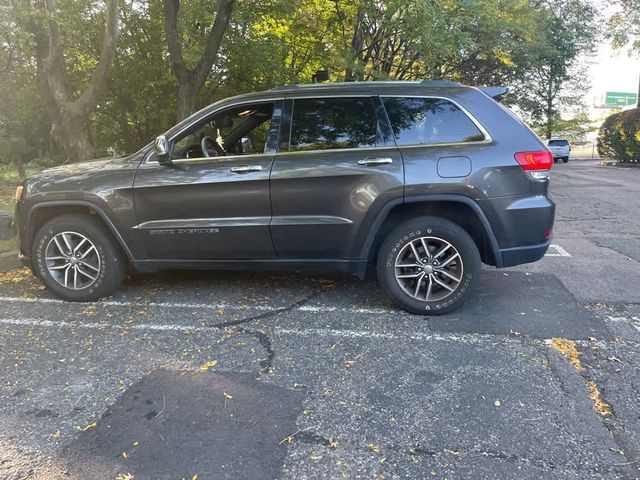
453 198
82 203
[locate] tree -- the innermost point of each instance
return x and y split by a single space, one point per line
557 80
624 25
70 116
190 80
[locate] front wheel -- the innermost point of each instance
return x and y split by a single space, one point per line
77 258
428 266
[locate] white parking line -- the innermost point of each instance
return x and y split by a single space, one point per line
561 252
206 306
311 332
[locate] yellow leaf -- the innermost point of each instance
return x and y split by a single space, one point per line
333 443
87 427
125 454
374 448
227 396
208 365
125 476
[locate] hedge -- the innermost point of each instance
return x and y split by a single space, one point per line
619 136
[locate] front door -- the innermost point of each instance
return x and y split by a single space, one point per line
213 202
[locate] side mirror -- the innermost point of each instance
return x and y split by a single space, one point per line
161 148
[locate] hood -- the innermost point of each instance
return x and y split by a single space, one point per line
107 163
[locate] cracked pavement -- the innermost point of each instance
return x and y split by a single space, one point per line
315 375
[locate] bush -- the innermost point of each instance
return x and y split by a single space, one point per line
619 136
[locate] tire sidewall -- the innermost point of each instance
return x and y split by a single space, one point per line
403 235
108 260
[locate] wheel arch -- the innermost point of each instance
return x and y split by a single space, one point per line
42 212
460 209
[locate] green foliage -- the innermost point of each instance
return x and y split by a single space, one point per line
532 45
619 136
623 27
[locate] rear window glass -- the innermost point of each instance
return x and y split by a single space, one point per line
330 123
558 143
424 121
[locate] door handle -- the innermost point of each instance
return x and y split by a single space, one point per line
246 168
370 162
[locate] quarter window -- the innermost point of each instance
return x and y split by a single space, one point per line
424 121
330 123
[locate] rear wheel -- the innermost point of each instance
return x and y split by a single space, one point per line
565 159
77 259
428 266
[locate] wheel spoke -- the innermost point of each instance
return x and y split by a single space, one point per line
442 284
55 258
66 275
449 260
415 252
87 264
408 265
429 288
59 267
426 248
409 275
67 242
82 242
61 250
446 273
86 274
89 250
441 251
418 282
75 277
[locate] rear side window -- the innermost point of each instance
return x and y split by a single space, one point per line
424 121
558 143
330 123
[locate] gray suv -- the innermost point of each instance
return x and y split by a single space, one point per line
422 181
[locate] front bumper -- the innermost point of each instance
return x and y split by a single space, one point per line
7 227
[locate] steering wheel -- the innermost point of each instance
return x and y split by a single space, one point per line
216 145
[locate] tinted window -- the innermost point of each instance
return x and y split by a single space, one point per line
558 143
328 123
418 121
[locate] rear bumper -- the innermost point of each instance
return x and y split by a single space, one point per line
7 227
520 255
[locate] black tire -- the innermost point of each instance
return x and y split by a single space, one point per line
565 159
439 229
111 260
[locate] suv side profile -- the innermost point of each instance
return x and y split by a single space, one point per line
423 180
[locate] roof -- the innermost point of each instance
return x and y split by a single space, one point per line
365 85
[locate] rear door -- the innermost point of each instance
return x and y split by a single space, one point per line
336 167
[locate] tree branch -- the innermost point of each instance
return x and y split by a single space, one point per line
223 16
100 75
178 66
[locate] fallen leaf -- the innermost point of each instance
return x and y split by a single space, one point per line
497 403
87 427
208 365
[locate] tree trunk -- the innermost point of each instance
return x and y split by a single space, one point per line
70 118
186 100
74 130
190 81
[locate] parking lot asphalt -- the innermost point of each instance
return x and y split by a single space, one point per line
234 375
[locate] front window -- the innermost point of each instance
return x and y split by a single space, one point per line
240 130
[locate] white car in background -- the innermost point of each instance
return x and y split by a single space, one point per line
560 149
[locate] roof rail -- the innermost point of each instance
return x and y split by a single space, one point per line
440 83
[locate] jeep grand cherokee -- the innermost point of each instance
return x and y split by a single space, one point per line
423 180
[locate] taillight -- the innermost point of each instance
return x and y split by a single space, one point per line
537 163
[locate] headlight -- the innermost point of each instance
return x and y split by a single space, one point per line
19 192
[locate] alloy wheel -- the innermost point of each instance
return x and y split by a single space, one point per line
429 269
72 260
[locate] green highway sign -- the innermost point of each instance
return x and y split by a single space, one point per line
620 99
